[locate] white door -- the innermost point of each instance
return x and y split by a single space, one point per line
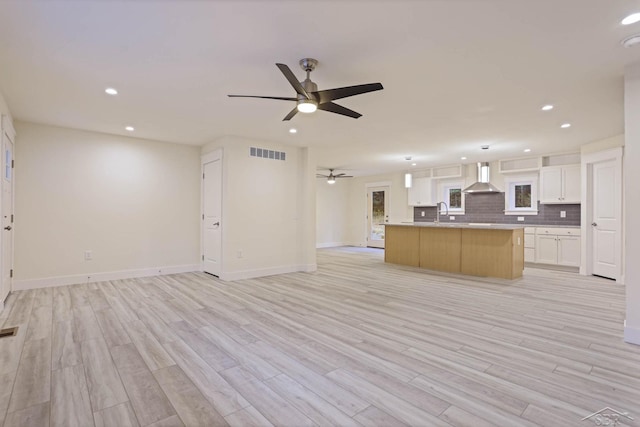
377 215
605 221
7 209
212 213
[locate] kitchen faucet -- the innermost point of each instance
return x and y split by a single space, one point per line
446 207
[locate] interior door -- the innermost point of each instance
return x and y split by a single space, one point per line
7 210
605 223
377 215
212 214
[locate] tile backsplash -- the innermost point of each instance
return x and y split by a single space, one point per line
490 208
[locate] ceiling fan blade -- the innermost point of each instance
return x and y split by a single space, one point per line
339 174
319 175
282 98
344 176
293 80
291 114
343 92
338 109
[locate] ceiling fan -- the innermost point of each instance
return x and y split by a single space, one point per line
331 178
309 99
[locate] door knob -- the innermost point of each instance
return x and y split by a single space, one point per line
8 228
595 224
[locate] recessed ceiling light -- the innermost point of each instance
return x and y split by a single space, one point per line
130 128
547 107
527 150
413 164
111 91
631 19
565 125
631 41
463 158
293 130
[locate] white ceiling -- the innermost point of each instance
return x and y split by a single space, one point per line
457 73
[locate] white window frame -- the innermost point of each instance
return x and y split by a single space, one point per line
510 197
445 186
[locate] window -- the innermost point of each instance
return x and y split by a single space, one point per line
452 195
521 196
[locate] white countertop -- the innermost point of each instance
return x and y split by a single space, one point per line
485 226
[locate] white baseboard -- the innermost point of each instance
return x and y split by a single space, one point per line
262 272
330 245
47 282
632 335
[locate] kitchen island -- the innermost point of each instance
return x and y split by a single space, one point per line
489 250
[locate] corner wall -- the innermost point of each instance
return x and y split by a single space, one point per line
133 203
268 219
632 202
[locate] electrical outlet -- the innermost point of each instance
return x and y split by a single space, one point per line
520 218
563 214
88 255
239 253
422 213
452 218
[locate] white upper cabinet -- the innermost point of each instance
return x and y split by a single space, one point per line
422 192
560 184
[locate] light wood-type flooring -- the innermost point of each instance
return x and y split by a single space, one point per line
358 343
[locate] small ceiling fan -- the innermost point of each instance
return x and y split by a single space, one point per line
331 178
309 99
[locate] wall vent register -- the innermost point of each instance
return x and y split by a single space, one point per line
267 154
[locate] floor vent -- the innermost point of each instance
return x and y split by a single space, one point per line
267 154
9 332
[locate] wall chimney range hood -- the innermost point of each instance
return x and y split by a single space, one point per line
483 185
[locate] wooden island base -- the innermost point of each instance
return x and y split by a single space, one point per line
487 252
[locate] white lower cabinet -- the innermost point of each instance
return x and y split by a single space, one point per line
558 246
529 244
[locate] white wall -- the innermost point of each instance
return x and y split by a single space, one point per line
604 144
332 209
632 202
268 219
134 203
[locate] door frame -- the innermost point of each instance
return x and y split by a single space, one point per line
586 210
6 128
204 159
367 186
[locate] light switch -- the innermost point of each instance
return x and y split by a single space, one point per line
563 214
452 218
422 213
520 218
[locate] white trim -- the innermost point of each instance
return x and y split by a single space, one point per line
48 282
522 213
632 335
271 271
586 210
330 245
509 197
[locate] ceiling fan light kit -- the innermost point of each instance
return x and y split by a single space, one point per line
331 178
309 99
